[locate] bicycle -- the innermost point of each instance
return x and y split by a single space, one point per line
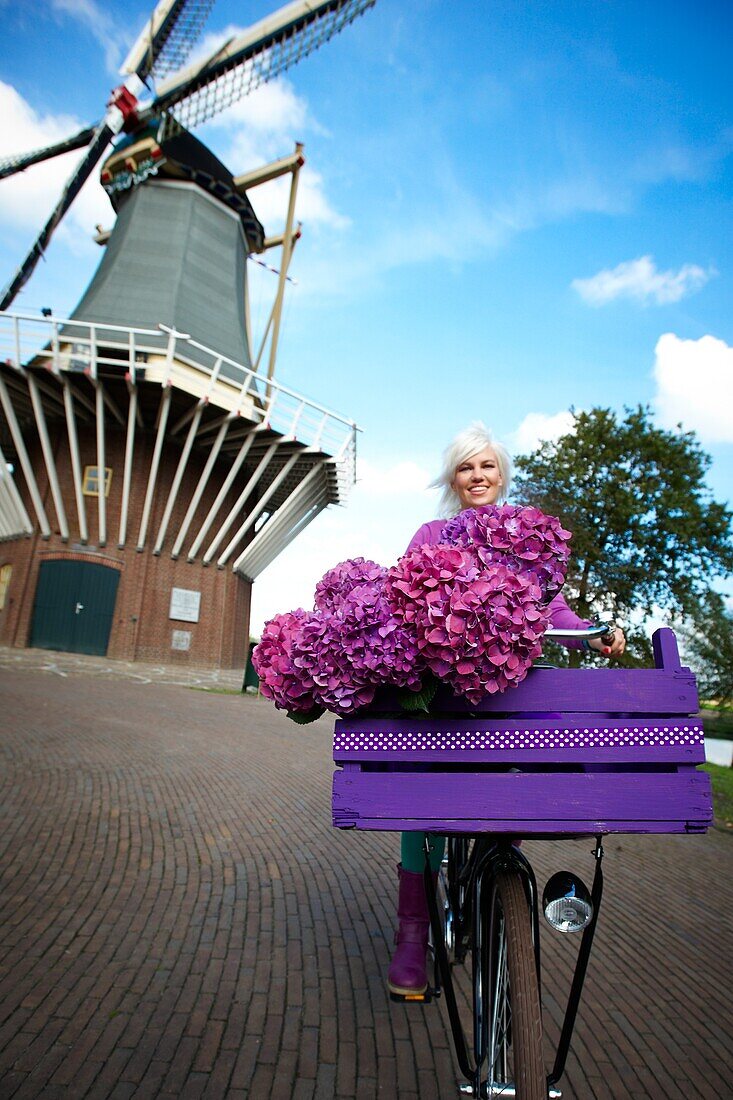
488 903
573 753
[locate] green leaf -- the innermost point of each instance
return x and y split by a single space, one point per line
305 717
419 701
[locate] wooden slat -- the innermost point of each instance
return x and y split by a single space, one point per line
240 502
75 461
567 739
201 486
101 464
599 690
165 404
456 801
536 830
49 457
259 507
132 416
225 487
178 478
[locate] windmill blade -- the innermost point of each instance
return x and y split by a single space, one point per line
99 142
10 165
263 52
168 38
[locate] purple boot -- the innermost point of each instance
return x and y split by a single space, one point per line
407 972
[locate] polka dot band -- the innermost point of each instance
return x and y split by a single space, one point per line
541 737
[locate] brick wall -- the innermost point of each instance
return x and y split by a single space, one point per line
142 629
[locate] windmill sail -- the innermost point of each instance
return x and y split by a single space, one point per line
10 165
263 52
84 169
168 38
200 92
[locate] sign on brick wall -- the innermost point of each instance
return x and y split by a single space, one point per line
185 605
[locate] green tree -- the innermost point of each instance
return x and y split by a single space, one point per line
647 533
708 646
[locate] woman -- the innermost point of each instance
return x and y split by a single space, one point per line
476 472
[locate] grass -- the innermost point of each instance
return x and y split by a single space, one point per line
722 780
718 725
717 722
213 690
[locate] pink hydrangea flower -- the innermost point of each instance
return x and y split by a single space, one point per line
289 686
477 628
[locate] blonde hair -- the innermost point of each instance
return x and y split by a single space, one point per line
469 442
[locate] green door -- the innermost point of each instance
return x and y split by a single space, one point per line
74 606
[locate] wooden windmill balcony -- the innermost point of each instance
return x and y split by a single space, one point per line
270 458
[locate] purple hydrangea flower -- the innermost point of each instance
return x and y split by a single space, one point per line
471 610
523 539
377 645
322 659
350 651
338 582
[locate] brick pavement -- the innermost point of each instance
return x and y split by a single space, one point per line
179 918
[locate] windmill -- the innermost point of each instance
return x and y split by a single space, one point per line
143 438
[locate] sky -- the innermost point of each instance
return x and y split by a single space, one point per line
510 209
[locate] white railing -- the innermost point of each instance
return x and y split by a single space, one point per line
77 346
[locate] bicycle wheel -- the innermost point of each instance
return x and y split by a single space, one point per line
510 1018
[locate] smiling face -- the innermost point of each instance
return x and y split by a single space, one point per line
478 480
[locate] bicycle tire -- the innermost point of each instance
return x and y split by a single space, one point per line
515 1018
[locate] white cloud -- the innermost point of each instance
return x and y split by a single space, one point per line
108 34
538 428
272 111
642 282
27 198
694 386
403 477
270 201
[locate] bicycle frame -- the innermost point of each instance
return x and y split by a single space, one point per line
488 857
581 966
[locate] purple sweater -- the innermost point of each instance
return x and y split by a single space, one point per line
562 616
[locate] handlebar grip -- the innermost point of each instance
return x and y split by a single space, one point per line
601 630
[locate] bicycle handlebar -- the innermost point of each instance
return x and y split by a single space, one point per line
604 631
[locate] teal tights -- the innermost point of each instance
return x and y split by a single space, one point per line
413 852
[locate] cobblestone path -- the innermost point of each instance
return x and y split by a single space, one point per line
178 918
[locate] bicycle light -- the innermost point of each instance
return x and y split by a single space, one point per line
567 903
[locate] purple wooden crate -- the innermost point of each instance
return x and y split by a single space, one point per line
619 758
